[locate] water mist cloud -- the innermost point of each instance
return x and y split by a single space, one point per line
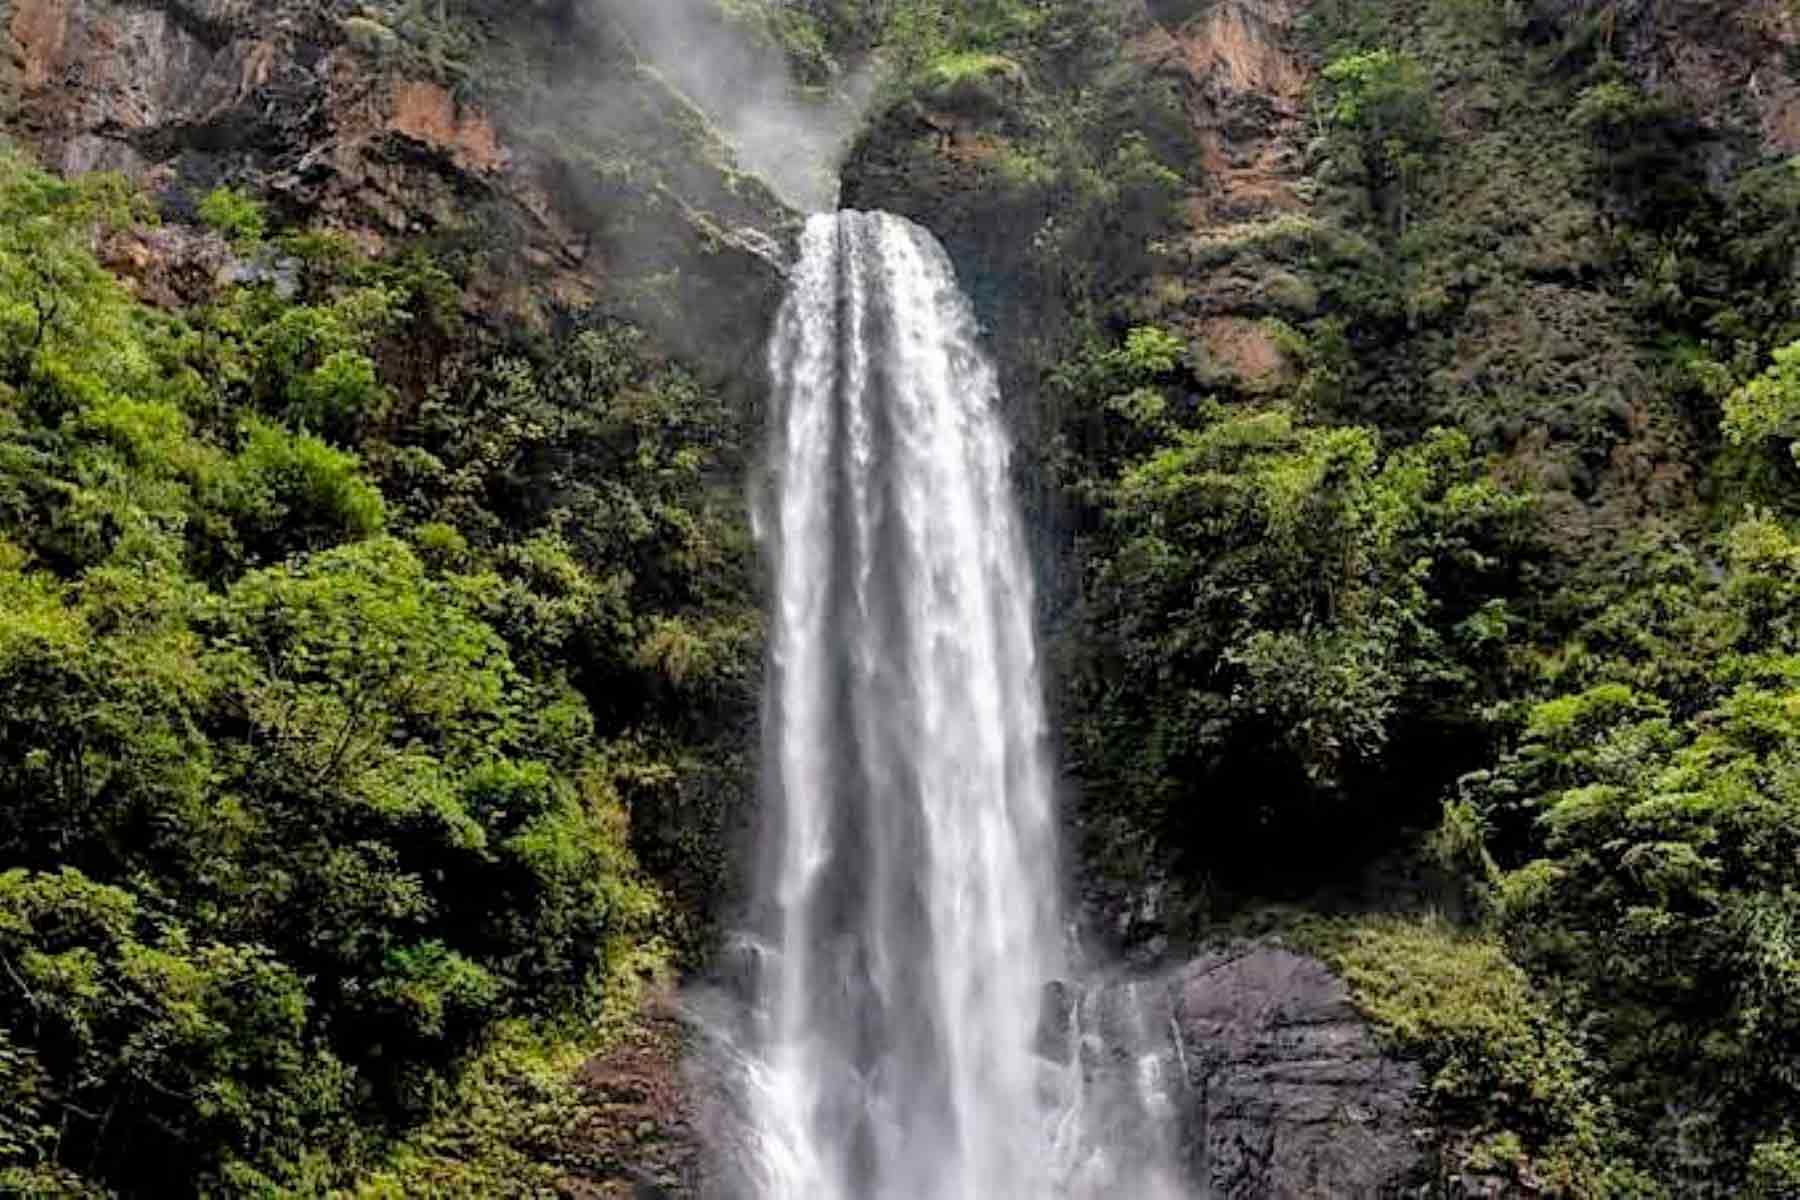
792 138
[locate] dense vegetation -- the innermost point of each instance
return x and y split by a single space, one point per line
1510 537
1481 601
323 694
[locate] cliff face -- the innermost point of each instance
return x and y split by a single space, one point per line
1243 74
308 106
1244 80
1730 61
1279 1087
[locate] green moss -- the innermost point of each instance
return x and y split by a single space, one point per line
951 69
370 36
1510 1082
973 83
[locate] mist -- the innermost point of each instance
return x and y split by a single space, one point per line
792 138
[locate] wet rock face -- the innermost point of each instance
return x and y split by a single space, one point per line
184 95
1278 1088
159 92
637 1135
1291 1095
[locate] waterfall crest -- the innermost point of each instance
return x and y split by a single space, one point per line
905 1037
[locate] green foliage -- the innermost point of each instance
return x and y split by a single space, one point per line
638 581
1651 855
140 1027
1768 406
1275 602
324 691
1320 659
439 37
1289 610
1384 93
53 294
957 36
972 82
969 64
1148 353
1068 160
1381 101
1502 1071
1775 1168
1608 107
1644 150
809 42
237 215
370 36
286 492
498 1135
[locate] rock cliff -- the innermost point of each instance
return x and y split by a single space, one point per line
302 104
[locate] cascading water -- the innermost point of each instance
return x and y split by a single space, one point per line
908 906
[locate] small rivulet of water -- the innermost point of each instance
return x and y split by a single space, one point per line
908 925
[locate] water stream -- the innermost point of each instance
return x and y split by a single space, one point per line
903 1037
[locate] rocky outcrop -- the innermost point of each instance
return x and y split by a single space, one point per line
171 266
1244 81
1247 1069
182 97
1729 61
1290 1094
338 130
638 1136
1244 86
1278 1088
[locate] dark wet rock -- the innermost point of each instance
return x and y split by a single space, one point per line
637 1135
1056 1018
1279 1088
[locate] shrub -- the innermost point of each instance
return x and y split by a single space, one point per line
1505 1076
237 215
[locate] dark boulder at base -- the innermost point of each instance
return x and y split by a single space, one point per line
1280 1090
1292 1096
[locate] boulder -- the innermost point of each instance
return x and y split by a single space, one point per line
1275 1088
1289 1093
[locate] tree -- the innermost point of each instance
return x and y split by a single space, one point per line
1767 408
1277 602
303 802
1380 104
1648 845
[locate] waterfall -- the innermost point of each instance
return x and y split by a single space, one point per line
904 1039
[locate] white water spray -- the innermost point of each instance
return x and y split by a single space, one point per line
910 918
